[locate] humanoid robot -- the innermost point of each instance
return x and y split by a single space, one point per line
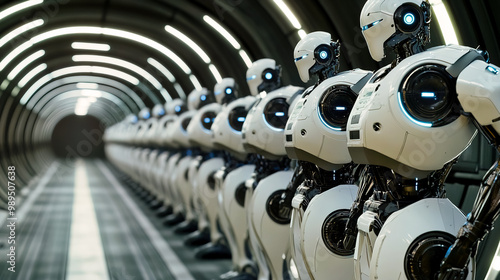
263 75
205 195
263 134
409 124
178 182
323 188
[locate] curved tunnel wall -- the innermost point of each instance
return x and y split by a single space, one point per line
135 33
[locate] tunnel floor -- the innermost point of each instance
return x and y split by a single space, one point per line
56 237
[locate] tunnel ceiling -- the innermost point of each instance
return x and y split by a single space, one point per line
43 75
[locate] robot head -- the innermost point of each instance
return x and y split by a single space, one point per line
226 91
199 98
315 53
162 130
228 125
132 119
263 130
200 128
158 111
175 107
387 23
263 75
144 114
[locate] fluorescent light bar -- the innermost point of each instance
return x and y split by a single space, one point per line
25 63
444 21
195 82
222 31
125 64
190 43
288 13
4 84
81 112
87 85
19 7
76 69
96 30
302 33
215 72
90 46
162 69
31 74
18 31
246 58
180 91
91 93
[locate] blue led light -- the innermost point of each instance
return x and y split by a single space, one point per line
268 76
428 94
323 54
370 25
229 90
326 124
251 78
241 119
207 120
279 114
424 124
301 57
409 18
203 97
161 112
217 92
146 115
177 108
340 108
492 70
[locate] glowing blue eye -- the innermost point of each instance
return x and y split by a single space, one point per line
207 120
492 70
177 108
409 18
268 76
428 94
241 119
147 115
203 97
302 57
251 78
229 90
161 112
279 114
323 54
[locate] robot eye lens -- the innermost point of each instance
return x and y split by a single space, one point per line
229 90
409 18
323 55
208 119
335 106
237 117
268 76
203 97
276 113
428 96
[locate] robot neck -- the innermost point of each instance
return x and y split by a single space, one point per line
405 46
327 73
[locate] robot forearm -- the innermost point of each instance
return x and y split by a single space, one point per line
484 213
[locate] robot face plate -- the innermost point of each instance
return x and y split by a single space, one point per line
229 123
263 130
200 127
304 52
254 74
394 125
225 91
378 24
315 131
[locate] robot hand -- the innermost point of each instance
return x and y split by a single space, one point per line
454 265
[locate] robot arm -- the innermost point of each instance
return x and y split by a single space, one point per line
478 88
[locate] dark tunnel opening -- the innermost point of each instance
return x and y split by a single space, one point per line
78 137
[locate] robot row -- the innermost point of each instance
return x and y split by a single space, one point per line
342 180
